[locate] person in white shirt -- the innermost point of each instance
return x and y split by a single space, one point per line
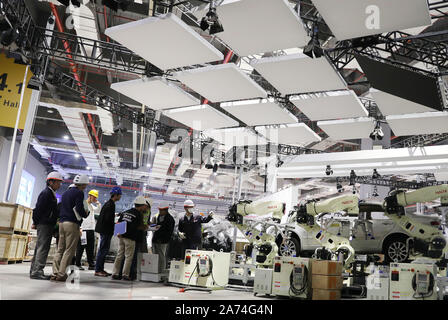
87 240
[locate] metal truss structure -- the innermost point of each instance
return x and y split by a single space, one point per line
384 182
420 141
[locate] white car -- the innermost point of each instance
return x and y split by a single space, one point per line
387 238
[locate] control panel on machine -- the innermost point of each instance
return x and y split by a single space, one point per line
204 266
298 276
422 285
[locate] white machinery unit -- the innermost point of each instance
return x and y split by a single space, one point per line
292 277
176 274
413 281
378 284
206 268
263 281
149 269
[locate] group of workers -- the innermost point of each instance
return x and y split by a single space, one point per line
74 222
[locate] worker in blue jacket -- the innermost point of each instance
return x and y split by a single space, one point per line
190 227
73 210
45 215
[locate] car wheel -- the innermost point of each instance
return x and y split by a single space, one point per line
395 250
289 248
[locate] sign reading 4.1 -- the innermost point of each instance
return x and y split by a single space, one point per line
11 86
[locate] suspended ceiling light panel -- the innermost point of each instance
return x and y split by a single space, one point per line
225 82
419 123
165 41
156 93
299 73
348 128
235 137
293 134
394 105
201 117
330 105
259 112
359 18
257 26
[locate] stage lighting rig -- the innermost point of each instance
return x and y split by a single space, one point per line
313 48
352 177
211 21
375 192
339 186
328 170
377 133
375 174
279 162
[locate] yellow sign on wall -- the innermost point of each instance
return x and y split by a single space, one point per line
11 86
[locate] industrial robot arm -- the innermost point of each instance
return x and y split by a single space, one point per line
244 208
394 206
305 216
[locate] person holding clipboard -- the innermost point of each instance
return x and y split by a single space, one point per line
132 228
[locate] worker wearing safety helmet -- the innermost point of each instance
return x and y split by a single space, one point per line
87 240
45 215
73 209
127 241
105 227
190 227
162 236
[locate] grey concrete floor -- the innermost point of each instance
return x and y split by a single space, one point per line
16 284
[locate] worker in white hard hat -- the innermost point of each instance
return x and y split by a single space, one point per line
162 236
190 227
45 215
73 209
87 240
134 225
141 244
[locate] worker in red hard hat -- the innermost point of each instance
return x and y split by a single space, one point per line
45 215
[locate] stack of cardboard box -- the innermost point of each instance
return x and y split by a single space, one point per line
326 280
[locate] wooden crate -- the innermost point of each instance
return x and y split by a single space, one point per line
12 247
15 218
27 219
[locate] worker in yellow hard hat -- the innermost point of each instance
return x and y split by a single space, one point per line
87 240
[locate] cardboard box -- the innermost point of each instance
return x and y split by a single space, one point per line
326 282
320 294
149 263
324 267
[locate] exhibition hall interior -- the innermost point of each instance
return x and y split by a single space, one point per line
262 150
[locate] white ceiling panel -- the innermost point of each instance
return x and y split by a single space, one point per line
225 82
165 41
259 112
331 105
419 123
235 137
292 134
393 105
257 26
299 73
201 117
348 128
358 18
156 93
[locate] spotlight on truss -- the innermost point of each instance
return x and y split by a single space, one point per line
377 133
375 174
328 170
313 48
211 22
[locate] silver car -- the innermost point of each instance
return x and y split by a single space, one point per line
384 237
